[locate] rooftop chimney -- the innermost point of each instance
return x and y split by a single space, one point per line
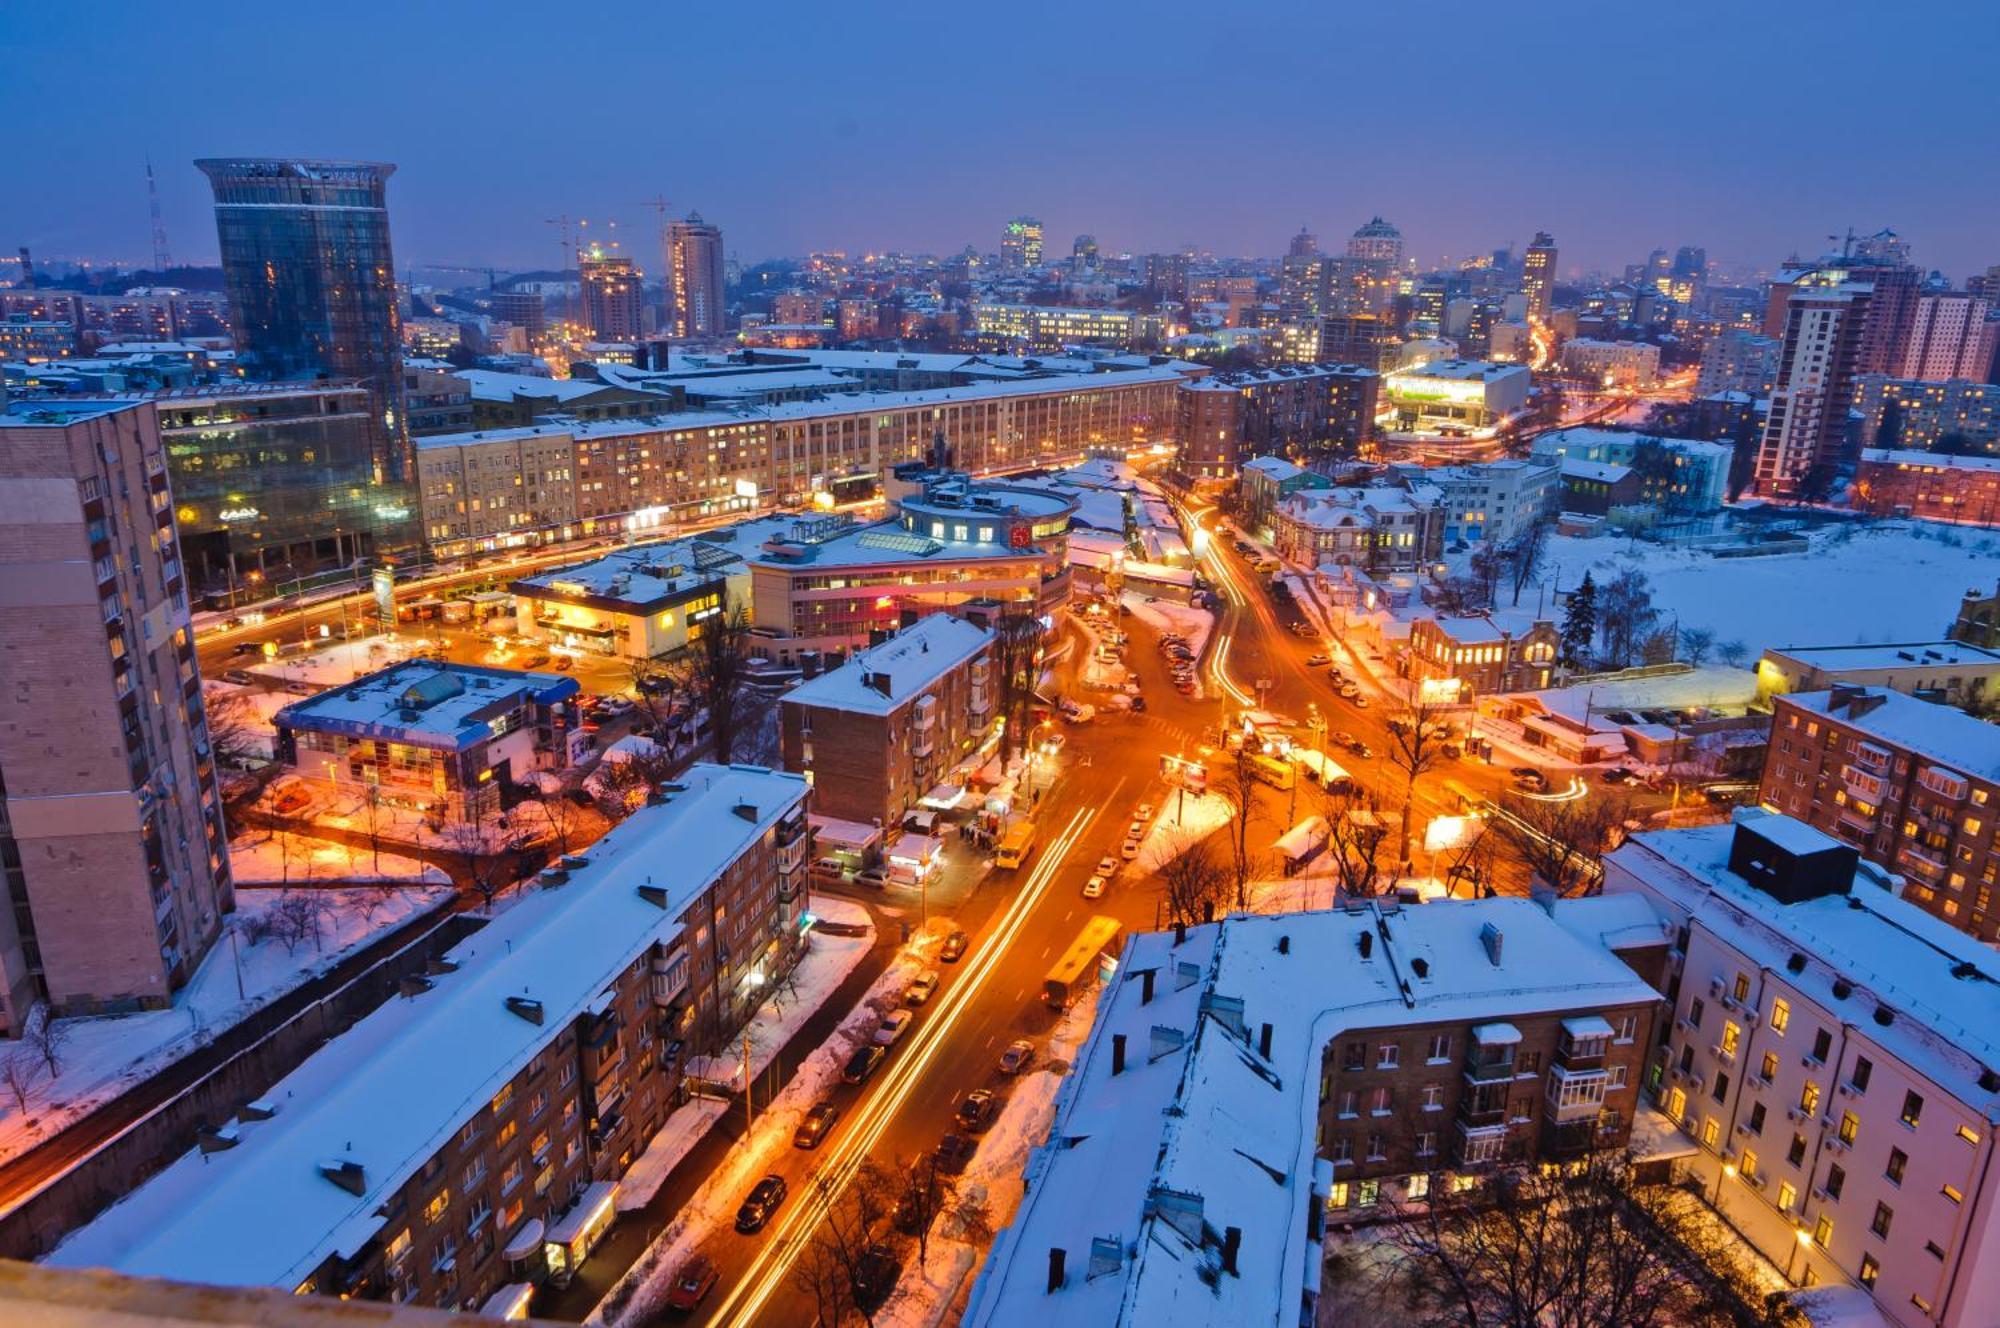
1232 1242
347 1174
1490 937
1365 942
1055 1269
1118 1052
1146 985
1264 1041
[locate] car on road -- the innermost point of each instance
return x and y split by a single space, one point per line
1532 780
1106 866
1094 888
1358 701
692 1283
241 677
1054 743
862 1063
975 1111
1143 812
922 987
812 1129
894 1024
953 948
1129 849
290 800
765 1196
1619 774
1363 750
1316 659
1453 752
1139 704
954 1151
536 661
1016 1057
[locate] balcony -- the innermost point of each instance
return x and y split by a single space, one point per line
1863 785
1922 862
1942 783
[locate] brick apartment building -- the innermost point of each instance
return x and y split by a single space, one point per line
1382 528
114 865
1913 785
1930 486
885 728
1484 655
464 1142
1299 411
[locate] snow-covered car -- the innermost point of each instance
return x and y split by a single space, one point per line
893 1026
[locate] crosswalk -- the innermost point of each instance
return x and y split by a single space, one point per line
1184 735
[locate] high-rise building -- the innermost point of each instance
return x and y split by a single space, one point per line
1538 275
1949 337
1304 245
611 303
1083 253
527 310
1168 275
1377 241
1738 360
1021 244
114 866
312 294
1806 427
695 282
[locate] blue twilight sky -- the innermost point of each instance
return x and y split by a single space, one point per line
1754 127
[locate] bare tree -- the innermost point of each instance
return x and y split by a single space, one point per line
1417 737
653 689
235 734
923 1193
1355 834
563 817
1192 883
1587 1245
468 847
21 1068
837 1266
299 916
1732 653
1696 644
371 822
716 673
1625 614
1563 842
1525 551
1236 783
1488 562
46 1036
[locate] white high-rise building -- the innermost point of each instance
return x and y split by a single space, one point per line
1807 423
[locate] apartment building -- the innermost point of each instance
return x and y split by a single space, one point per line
114 863
1930 486
1737 360
1493 502
449 740
1951 672
1246 1081
1630 364
1479 654
1051 327
1268 481
1684 475
1831 1052
1295 411
1903 415
468 1138
884 730
1914 786
1382 528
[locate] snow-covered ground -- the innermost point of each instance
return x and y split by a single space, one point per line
340 662
1909 575
101 1057
639 1293
825 966
1163 615
1178 825
282 858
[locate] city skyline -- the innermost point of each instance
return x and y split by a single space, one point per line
878 167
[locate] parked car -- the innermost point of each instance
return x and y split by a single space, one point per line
1619 774
765 1196
893 1026
1016 1057
696 1278
1129 849
875 1275
954 1151
1143 812
812 1129
922 987
1316 659
874 878
954 947
862 1063
1106 865
1093 888
975 1112
1363 750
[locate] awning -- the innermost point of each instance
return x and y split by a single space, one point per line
526 1241
944 797
596 1205
510 1301
1493 1035
1590 1026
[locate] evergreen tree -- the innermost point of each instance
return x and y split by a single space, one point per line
1579 624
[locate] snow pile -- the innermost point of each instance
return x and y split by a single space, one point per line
102 1057
1179 825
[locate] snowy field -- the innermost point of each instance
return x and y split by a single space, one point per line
1909 575
101 1057
280 858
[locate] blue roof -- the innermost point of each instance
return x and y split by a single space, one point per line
425 703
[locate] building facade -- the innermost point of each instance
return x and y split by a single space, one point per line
1931 486
1304 412
1677 475
1952 335
1538 276
1455 396
114 861
527 1072
612 307
1911 784
1902 415
1268 481
1493 502
1021 244
1949 672
1381 529
881 732
646 602
1626 364
1805 431
1738 360
1829 1054
1475 656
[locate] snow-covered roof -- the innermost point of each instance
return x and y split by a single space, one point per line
495 385
394 1089
884 678
425 703
1274 467
1940 732
1235 380
647 578
1890 655
1708 687
1941 985
1906 459
1143 1170
1464 370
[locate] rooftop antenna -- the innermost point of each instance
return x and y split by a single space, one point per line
162 260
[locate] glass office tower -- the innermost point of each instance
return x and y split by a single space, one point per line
312 289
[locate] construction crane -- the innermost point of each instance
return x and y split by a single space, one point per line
162 260
658 202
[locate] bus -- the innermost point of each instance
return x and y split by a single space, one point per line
1273 770
1091 957
1015 845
